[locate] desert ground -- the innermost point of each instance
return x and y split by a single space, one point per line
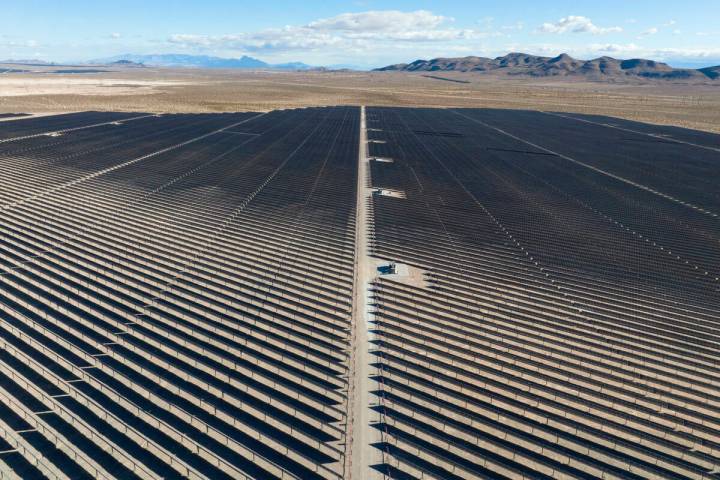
42 90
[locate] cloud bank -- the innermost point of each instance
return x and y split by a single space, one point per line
362 31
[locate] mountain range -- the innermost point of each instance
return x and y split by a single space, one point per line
198 61
29 63
563 65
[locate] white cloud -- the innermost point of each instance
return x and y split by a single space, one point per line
576 24
192 40
115 35
632 50
615 48
420 35
380 21
648 32
687 53
655 30
517 26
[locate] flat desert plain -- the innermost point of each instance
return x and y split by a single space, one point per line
159 90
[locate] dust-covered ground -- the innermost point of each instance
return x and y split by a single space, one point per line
192 90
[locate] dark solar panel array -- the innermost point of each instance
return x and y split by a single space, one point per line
175 295
666 132
44 124
571 323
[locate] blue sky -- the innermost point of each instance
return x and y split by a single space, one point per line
364 33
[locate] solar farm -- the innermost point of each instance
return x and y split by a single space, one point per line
358 293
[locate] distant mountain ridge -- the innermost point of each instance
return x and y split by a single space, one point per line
198 61
712 72
562 65
30 63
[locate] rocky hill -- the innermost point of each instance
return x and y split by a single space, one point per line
562 65
712 72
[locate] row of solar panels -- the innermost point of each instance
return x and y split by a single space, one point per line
176 291
570 326
175 296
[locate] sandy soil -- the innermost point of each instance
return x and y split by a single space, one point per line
189 90
11 86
